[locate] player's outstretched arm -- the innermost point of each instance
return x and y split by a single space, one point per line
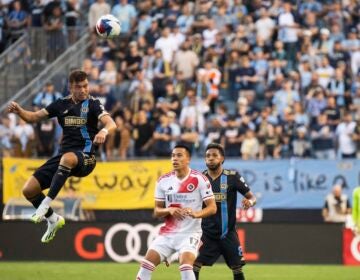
28 116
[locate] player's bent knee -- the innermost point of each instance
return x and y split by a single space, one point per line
69 160
31 188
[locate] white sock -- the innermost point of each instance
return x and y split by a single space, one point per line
186 271
145 271
46 201
53 218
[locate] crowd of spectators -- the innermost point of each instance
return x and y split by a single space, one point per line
267 79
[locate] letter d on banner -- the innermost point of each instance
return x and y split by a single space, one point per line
351 247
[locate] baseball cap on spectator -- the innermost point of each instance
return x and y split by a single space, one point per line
353 30
301 129
133 44
242 101
307 32
324 31
171 114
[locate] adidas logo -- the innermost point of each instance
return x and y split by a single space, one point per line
60 173
170 189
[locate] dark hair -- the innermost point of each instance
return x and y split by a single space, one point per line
179 145
77 76
217 146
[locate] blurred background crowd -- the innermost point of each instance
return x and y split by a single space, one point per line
267 79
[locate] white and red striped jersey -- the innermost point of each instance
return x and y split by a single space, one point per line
189 192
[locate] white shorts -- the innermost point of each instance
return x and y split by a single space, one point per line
167 245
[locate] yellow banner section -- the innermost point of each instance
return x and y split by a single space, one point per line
112 185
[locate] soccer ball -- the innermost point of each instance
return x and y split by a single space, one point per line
108 26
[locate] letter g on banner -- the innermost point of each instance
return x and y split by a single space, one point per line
132 240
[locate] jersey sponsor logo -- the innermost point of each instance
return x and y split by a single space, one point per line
179 198
74 121
219 197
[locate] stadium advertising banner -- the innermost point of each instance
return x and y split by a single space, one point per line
351 245
277 184
294 184
112 185
126 242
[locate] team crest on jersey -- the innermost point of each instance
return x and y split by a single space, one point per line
84 110
190 187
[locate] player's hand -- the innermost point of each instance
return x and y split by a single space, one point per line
14 107
189 212
178 213
246 203
100 137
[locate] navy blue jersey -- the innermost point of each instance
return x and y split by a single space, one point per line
225 188
79 122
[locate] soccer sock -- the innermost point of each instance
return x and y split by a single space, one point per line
52 218
36 201
58 180
186 271
196 269
238 273
145 271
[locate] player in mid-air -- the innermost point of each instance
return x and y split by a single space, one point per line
219 232
78 114
179 197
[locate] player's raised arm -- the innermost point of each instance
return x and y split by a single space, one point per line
28 116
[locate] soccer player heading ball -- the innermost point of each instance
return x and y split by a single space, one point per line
219 232
78 114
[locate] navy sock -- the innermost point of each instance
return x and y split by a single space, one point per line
58 181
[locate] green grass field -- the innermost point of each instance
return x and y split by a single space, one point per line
113 271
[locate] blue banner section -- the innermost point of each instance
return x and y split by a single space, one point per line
295 183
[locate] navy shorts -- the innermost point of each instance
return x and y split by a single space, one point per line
45 173
229 247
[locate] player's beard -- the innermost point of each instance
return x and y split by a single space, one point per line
213 167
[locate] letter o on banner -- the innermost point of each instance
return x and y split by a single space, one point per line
355 247
132 240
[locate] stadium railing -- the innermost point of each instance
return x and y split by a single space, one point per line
56 72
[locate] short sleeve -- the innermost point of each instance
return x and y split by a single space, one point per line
159 193
99 109
240 184
53 109
205 188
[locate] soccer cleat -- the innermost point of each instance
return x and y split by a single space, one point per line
52 228
39 214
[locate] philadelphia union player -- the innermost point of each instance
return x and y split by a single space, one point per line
219 232
78 114
179 197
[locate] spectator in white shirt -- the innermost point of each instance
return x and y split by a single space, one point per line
344 132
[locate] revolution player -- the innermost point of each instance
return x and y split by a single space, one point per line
219 233
78 114
179 196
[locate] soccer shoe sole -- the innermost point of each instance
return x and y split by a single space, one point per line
52 234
